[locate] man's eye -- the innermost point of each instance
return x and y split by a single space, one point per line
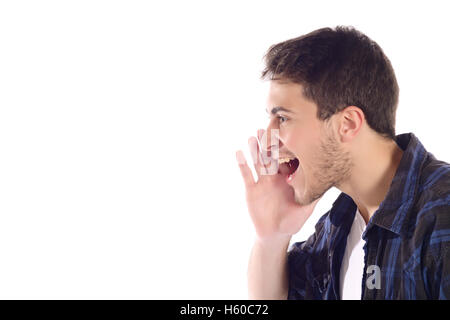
281 119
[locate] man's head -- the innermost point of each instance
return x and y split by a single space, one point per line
339 91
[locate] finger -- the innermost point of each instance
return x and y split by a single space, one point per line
262 139
256 157
253 146
245 170
260 133
264 155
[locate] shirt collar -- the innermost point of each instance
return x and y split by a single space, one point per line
394 209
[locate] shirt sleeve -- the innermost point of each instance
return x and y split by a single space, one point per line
299 259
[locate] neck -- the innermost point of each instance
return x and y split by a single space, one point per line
375 164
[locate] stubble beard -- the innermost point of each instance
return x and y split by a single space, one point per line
333 167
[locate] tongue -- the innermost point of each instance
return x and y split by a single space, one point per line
284 168
288 168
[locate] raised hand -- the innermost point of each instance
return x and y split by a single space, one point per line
270 199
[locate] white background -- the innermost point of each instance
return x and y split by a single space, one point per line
119 122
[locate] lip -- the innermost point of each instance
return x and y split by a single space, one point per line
290 177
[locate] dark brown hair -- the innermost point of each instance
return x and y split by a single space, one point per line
338 68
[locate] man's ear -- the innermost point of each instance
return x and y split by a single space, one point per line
350 123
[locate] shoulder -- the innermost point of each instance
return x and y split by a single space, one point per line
433 192
430 223
434 179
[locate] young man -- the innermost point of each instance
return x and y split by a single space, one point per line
332 103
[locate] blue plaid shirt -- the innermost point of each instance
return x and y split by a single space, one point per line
407 240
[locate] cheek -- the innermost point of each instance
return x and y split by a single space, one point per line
292 141
300 142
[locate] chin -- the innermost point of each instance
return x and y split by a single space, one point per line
308 197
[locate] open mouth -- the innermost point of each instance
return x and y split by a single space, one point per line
287 166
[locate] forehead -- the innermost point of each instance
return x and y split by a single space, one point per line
289 95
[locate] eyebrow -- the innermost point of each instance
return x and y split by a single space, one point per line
275 110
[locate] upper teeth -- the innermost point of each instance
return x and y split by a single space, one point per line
283 160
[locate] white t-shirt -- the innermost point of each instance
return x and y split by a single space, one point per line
352 267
